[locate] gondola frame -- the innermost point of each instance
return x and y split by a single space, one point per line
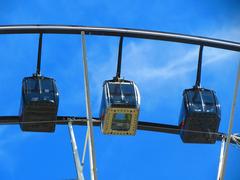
108 110
33 109
187 119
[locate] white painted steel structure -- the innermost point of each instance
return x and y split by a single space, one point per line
89 112
225 148
78 166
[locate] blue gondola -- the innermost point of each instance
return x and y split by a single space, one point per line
200 114
120 107
39 104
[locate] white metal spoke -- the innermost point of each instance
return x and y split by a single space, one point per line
89 113
225 154
79 168
221 158
85 147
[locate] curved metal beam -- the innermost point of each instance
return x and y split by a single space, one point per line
82 121
134 33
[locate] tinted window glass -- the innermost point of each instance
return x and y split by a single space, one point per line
209 101
194 97
32 85
122 94
40 90
201 101
47 86
195 102
115 89
121 121
208 98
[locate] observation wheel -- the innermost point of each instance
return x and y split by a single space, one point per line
199 118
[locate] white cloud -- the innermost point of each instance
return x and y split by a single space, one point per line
147 64
144 61
140 57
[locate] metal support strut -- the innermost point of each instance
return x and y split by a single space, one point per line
119 64
92 157
39 54
79 168
199 69
224 156
221 158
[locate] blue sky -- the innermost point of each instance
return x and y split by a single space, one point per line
161 70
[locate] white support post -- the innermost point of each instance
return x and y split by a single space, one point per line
89 113
78 166
85 147
221 157
225 154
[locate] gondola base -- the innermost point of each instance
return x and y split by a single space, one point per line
110 126
38 118
200 128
